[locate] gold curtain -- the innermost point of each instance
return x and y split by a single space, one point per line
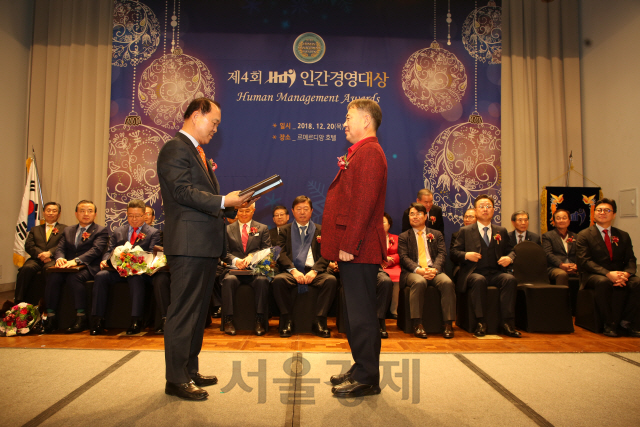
541 117
69 101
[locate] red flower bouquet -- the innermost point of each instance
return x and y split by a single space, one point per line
19 320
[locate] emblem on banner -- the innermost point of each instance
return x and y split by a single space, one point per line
309 48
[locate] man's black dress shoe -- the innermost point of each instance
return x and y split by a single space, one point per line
204 380
217 313
229 329
383 329
339 379
259 326
285 332
98 327
355 389
394 316
610 330
481 330
79 326
448 331
135 327
632 332
320 330
188 391
160 329
419 332
510 331
50 324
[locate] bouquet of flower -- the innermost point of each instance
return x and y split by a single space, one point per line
264 261
19 320
158 262
129 260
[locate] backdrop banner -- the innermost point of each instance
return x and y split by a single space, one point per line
579 201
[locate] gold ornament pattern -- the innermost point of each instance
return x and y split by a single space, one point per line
136 33
482 34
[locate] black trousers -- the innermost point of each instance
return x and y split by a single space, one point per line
191 287
161 282
507 285
260 285
105 279
26 274
76 281
361 320
283 282
384 290
616 303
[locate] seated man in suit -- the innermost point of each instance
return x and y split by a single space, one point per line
161 282
560 246
607 264
302 265
280 218
245 237
138 233
434 213
484 252
520 221
468 219
41 244
422 253
80 245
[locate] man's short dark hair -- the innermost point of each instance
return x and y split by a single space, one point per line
514 215
52 204
389 220
369 107
480 197
82 202
277 208
419 207
200 104
153 211
424 192
136 204
562 210
609 202
301 199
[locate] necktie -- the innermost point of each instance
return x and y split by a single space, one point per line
519 238
245 237
49 228
134 236
607 242
202 156
79 238
486 236
422 252
303 233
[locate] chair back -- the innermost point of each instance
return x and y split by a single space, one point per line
530 265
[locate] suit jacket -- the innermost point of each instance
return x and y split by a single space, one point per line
529 236
437 225
285 262
554 248
255 243
408 251
89 250
37 243
593 255
470 240
194 219
273 235
354 207
120 234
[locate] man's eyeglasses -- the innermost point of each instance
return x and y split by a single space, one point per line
135 216
415 214
601 210
469 217
485 207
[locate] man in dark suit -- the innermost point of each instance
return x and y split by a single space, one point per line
355 237
161 282
468 219
80 245
520 221
280 218
484 251
41 244
607 264
560 246
302 265
137 233
244 238
434 212
193 243
422 254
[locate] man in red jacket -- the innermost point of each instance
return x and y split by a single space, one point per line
353 234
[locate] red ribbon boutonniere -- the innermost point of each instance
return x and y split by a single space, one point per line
213 165
319 238
253 231
430 237
55 231
615 240
85 236
141 236
570 239
343 163
391 241
497 238
433 219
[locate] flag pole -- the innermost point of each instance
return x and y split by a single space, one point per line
35 165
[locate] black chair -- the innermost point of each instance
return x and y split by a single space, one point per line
466 318
540 306
587 314
244 307
304 307
431 312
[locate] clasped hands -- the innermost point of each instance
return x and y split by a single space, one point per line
569 267
475 257
619 278
243 264
45 257
63 263
304 279
428 273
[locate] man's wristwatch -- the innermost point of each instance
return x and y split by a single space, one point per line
77 260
